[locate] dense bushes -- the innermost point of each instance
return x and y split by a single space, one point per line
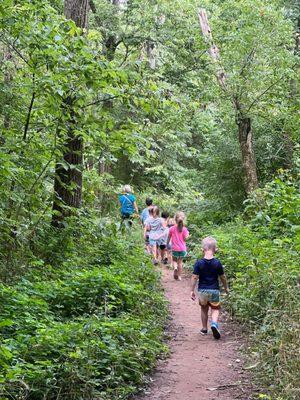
89 327
262 261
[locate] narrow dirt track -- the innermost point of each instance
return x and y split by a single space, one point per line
199 367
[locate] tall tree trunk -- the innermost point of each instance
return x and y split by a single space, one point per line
77 10
243 122
150 50
68 170
248 158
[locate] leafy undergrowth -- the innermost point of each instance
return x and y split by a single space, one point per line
261 256
89 325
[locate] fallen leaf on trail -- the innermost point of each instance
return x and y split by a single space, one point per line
252 366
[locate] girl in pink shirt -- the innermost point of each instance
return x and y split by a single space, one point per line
177 236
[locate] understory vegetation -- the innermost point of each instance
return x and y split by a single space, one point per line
261 254
89 325
196 108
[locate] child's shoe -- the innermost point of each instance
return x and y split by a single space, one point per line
215 330
203 332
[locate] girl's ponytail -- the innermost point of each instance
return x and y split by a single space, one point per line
180 225
179 218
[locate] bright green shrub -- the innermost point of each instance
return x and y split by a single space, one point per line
88 328
85 358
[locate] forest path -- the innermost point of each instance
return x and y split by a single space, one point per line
199 367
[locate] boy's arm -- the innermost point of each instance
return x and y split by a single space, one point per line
145 231
193 286
225 283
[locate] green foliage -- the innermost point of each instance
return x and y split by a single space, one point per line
261 259
82 309
89 326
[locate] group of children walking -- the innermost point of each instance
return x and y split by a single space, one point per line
165 239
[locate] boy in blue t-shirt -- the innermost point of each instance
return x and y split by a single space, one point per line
207 272
145 212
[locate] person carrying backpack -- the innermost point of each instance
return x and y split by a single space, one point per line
128 204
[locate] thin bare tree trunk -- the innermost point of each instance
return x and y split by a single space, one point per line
150 50
248 159
68 170
243 122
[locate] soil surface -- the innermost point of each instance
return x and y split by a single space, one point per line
199 367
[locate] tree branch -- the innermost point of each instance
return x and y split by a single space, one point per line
247 61
29 111
102 100
125 56
266 90
213 49
14 49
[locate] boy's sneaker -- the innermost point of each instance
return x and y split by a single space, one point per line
203 332
166 261
175 274
215 330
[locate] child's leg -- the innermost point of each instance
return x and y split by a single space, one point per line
215 315
154 252
170 258
148 247
174 262
175 267
147 244
179 262
162 253
215 311
204 316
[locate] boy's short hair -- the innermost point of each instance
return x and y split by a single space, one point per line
209 243
165 214
149 201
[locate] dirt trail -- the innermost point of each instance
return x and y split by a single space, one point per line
199 367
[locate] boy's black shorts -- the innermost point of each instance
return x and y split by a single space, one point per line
127 217
162 246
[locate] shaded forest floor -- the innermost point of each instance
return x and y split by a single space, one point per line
199 367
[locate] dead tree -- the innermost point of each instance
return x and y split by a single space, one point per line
243 121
